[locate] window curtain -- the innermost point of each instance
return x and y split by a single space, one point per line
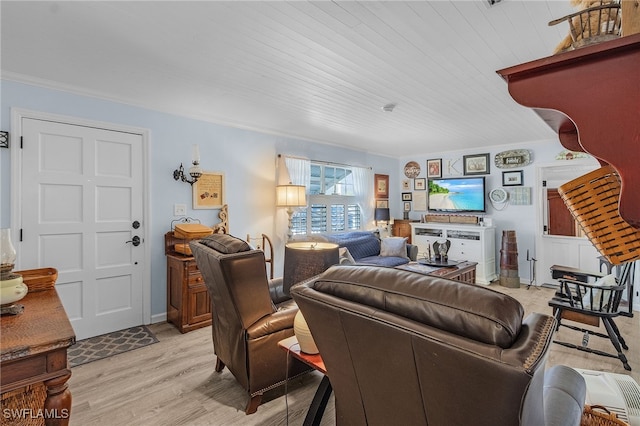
363 191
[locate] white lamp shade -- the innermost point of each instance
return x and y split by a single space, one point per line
291 196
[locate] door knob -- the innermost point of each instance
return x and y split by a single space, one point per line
135 224
135 241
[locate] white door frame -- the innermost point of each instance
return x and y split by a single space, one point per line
542 204
17 114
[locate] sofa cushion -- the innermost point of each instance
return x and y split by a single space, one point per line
225 243
393 247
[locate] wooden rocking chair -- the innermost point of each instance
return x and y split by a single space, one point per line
588 303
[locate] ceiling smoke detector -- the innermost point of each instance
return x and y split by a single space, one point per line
389 107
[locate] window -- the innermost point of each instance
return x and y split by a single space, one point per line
331 205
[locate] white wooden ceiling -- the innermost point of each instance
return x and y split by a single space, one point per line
313 70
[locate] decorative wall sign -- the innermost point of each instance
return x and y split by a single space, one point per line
208 191
420 201
411 169
571 155
454 167
513 158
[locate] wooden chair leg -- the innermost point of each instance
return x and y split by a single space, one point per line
219 365
252 405
610 326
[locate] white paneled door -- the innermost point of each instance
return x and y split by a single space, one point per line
82 213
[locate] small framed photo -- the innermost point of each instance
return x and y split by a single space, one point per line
382 186
513 178
406 196
407 206
406 185
382 204
434 168
420 184
476 164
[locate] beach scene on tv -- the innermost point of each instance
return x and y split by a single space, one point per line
456 194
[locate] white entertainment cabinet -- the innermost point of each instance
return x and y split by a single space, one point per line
468 242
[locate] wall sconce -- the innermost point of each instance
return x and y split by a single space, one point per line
290 196
194 171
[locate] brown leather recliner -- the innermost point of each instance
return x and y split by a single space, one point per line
405 348
250 315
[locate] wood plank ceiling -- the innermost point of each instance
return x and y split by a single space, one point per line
319 71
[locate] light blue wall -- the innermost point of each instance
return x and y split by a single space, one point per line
247 159
521 218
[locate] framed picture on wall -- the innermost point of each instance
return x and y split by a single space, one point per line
382 204
476 164
420 184
406 184
406 196
407 206
434 168
513 178
208 191
381 186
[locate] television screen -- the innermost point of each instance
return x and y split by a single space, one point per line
465 194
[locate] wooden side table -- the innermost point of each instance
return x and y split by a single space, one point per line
33 354
321 397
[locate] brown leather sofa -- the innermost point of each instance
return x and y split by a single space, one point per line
408 349
250 315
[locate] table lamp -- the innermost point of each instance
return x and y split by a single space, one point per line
290 196
12 287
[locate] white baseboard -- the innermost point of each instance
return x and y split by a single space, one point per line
162 317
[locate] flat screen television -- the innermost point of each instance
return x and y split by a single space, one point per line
457 195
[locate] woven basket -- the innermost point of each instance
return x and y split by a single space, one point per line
593 200
597 415
30 397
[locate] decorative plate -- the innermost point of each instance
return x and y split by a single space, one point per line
411 169
513 158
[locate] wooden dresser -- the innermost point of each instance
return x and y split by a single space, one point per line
33 347
188 302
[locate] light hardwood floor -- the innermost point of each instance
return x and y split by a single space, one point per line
173 381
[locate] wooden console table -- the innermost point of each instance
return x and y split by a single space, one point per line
33 355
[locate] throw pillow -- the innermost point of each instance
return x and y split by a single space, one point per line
345 256
225 243
607 280
394 246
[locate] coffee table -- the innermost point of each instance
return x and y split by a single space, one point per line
462 271
320 399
